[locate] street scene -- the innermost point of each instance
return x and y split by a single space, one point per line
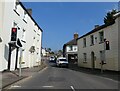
53 77
59 45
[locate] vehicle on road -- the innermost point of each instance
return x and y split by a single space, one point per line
52 59
62 62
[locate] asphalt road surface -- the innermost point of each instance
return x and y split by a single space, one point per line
63 78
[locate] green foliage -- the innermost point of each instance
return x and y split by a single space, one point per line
109 19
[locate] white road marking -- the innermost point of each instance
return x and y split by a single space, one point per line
47 86
72 88
15 86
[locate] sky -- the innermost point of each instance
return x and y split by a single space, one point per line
60 20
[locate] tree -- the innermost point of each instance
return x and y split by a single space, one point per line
109 18
49 50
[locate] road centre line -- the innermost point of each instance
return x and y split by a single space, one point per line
72 88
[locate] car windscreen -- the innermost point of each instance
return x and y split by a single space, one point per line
63 60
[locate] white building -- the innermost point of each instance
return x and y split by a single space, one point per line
92 47
44 52
70 49
15 15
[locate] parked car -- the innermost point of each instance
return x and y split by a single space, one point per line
62 61
52 59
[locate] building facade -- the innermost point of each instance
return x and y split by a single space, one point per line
99 48
26 50
70 50
45 53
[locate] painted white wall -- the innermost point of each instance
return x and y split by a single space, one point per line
9 16
44 53
1 35
111 35
74 48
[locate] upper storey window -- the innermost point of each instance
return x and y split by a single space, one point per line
16 9
101 36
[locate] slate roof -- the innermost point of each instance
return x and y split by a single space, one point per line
72 42
100 27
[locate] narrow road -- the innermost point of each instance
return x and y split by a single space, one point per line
64 78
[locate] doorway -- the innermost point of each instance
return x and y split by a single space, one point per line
92 60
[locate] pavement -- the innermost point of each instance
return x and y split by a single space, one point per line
10 77
114 75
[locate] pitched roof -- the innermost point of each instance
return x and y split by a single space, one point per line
94 30
72 42
30 15
100 27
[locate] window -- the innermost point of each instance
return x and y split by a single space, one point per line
92 39
25 17
14 24
16 4
24 14
101 36
23 36
84 57
95 39
84 42
75 49
71 48
16 7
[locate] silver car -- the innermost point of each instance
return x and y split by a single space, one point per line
62 61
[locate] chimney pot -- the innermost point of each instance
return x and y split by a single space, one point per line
76 35
29 11
96 26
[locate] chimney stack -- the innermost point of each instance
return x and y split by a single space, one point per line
76 35
29 11
96 26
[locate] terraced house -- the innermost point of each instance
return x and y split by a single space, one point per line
99 47
20 36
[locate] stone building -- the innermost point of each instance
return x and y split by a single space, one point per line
100 46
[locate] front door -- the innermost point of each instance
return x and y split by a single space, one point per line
92 60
